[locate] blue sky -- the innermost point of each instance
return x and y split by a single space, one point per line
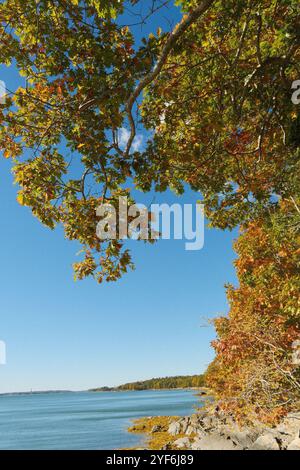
65 335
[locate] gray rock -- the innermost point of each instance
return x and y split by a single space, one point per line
227 420
195 419
209 422
240 437
184 428
184 420
290 425
288 430
192 429
200 433
183 443
214 442
219 431
294 445
174 428
266 442
194 424
196 444
184 423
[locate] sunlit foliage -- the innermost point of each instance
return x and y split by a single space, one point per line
214 95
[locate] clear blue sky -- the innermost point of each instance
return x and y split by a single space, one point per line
66 335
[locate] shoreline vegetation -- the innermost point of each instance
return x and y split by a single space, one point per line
211 429
180 382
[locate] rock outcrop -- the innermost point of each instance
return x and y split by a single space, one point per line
216 431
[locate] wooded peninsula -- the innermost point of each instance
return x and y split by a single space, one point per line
180 381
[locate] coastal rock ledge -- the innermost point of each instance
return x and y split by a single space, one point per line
206 431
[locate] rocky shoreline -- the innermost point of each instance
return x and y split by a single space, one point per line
212 430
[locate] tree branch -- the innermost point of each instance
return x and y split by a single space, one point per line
178 31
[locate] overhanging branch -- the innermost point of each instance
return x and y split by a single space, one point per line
178 31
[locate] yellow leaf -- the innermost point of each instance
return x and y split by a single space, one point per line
20 198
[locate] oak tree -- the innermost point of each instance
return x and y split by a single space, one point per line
214 95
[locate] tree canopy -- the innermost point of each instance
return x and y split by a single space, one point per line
216 99
214 95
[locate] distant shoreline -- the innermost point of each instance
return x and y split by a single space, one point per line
178 382
47 392
42 392
144 389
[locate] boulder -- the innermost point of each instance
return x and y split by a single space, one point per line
210 422
266 442
174 428
192 429
184 423
196 419
200 433
294 445
243 437
219 431
182 443
288 430
290 425
214 442
196 445
226 419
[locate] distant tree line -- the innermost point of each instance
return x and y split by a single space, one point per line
180 381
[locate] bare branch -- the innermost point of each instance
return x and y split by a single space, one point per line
259 28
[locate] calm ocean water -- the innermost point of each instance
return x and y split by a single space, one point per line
84 420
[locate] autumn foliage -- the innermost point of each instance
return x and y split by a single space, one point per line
256 373
214 95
